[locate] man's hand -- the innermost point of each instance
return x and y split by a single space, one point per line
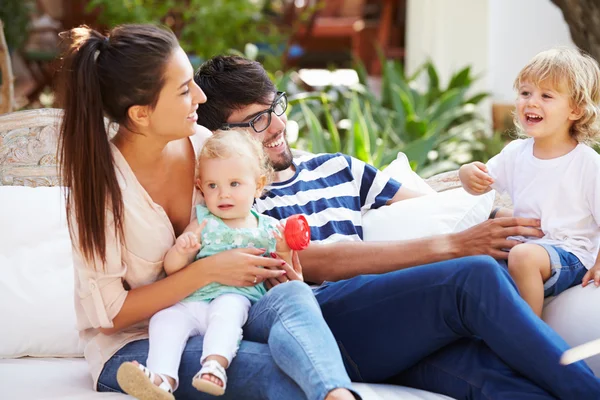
475 179
490 237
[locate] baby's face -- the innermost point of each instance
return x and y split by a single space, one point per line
229 186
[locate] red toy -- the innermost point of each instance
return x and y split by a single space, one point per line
297 232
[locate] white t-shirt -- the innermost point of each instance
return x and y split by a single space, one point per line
564 193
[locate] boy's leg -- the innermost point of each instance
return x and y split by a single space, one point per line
386 323
566 271
529 266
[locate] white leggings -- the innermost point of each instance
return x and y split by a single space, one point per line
220 321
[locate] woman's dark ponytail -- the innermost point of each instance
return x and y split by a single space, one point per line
103 76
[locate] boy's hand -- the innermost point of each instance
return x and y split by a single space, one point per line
593 274
474 178
190 241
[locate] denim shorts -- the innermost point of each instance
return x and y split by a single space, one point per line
566 270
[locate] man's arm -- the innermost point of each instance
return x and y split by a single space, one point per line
342 260
403 194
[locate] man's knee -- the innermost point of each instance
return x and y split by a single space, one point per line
484 267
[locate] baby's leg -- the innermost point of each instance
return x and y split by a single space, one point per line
529 266
168 333
226 316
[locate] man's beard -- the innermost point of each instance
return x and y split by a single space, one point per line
284 160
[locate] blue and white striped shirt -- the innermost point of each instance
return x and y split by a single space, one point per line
332 191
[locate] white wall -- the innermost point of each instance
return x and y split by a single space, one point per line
518 30
495 37
453 33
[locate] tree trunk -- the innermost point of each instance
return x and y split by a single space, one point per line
7 96
583 18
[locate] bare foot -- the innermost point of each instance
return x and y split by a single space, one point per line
340 394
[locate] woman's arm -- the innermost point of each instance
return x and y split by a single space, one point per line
237 267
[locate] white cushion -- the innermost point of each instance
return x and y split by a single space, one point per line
36 275
433 214
69 379
572 315
401 171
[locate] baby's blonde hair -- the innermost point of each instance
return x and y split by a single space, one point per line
231 143
576 72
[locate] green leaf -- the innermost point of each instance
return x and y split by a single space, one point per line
331 127
462 79
361 142
417 150
476 99
448 101
315 130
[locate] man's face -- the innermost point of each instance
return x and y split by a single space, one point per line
273 138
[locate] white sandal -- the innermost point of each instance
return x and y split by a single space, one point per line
211 367
138 381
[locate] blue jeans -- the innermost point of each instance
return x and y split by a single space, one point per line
457 327
289 353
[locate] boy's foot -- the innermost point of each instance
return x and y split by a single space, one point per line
141 383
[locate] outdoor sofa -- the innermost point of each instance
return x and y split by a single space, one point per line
41 356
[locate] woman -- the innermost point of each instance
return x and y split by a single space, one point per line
130 196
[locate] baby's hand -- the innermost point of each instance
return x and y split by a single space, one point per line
474 178
281 244
593 274
190 241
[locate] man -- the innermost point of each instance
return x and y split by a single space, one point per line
457 326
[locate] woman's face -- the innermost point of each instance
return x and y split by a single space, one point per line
175 113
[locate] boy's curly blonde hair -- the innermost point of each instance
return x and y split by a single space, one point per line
577 73
234 142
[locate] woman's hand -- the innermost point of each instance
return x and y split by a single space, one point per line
292 273
241 267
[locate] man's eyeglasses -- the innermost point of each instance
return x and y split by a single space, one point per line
262 121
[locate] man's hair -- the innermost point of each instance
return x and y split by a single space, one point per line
231 83
578 74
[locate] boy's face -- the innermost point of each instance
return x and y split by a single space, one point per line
545 111
229 186
273 139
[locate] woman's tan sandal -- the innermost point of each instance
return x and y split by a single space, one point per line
138 381
211 367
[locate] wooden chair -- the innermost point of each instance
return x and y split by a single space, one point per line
341 24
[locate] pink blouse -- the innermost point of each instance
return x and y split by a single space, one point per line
99 290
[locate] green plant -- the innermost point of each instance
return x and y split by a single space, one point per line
204 27
15 17
438 128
